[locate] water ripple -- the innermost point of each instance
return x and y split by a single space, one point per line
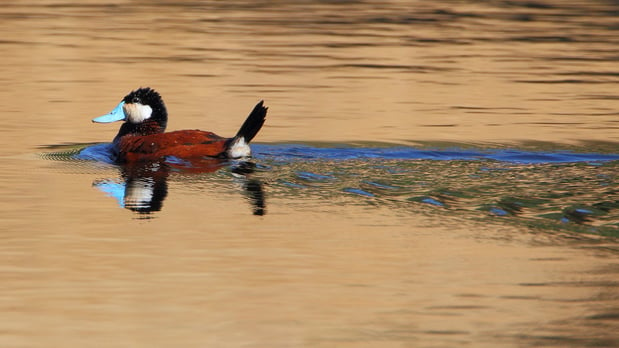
549 190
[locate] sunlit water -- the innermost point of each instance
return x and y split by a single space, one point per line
431 174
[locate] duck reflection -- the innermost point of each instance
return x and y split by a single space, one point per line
142 187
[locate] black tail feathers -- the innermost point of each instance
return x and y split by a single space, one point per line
253 123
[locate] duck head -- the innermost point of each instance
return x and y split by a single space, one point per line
143 112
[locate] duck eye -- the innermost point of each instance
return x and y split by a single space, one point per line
135 100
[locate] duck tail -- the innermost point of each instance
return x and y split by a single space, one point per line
238 146
253 123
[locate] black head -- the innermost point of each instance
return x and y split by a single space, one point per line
144 105
142 110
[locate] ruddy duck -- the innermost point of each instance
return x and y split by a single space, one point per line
142 137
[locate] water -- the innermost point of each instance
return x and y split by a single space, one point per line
430 174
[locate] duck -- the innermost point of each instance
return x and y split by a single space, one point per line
142 136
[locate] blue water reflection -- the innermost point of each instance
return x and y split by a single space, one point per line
290 152
307 152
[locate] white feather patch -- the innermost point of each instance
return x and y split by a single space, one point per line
239 148
137 113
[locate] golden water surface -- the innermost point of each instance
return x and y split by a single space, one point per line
349 253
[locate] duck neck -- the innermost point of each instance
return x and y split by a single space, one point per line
145 128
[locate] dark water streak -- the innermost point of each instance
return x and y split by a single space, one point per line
101 152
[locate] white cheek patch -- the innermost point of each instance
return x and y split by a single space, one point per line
137 113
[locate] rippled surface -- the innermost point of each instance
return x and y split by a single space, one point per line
430 174
548 190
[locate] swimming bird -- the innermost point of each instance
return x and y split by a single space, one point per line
142 136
